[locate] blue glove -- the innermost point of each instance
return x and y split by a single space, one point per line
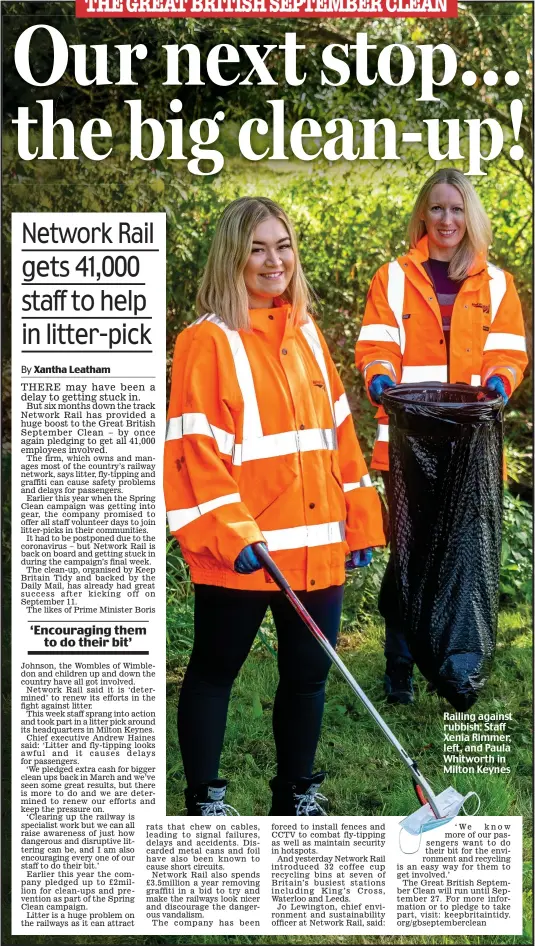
378 384
247 561
496 384
359 559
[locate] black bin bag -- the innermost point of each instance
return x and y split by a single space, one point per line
446 495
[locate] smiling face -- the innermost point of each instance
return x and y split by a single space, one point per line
271 264
444 218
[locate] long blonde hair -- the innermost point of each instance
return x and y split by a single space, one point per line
478 234
222 289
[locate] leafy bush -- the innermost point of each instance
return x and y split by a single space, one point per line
517 562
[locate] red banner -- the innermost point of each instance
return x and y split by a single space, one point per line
270 8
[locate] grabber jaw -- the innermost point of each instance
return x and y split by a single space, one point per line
419 793
448 805
424 792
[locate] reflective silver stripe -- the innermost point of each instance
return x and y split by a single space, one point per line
174 428
341 409
378 332
497 287
475 380
191 424
272 445
252 426
396 295
310 332
498 340
178 518
365 480
302 537
424 373
496 369
386 364
280 445
382 433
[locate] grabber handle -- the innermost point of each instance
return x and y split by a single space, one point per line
275 573
269 565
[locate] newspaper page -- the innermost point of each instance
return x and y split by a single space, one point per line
225 254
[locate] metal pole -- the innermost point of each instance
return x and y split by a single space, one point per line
278 577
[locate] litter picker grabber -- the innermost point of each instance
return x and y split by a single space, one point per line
423 790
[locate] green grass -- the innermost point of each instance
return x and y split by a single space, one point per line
366 776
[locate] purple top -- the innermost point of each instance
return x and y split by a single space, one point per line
446 291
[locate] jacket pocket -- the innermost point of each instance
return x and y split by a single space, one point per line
338 499
264 482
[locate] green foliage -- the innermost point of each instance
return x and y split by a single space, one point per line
179 604
516 581
519 434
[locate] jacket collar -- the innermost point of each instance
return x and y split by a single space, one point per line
270 320
419 254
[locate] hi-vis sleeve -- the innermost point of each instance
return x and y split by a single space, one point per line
378 349
504 349
364 520
204 508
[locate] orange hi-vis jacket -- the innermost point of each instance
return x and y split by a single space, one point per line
261 447
401 334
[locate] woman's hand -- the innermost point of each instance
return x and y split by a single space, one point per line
247 562
359 559
378 385
499 385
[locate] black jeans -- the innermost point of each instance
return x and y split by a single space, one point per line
226 622
395 640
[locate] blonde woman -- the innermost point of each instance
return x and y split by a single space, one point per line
443 313
261 448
